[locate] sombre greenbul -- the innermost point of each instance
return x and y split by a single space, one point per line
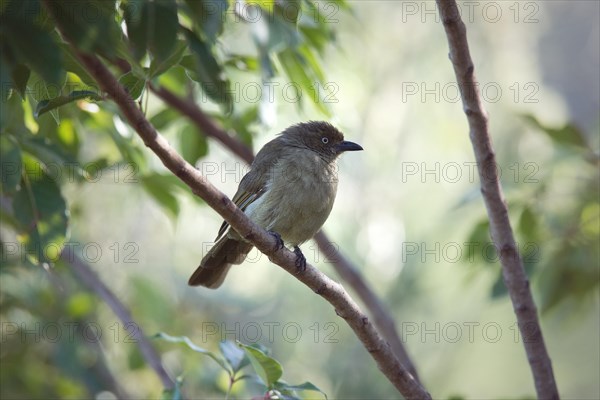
289 191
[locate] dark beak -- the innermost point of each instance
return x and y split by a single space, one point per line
347 146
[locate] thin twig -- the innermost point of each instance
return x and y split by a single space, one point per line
515 278
89 277
333 292
348 272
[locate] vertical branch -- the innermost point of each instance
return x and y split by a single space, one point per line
513 272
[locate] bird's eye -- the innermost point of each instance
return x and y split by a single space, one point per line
325 140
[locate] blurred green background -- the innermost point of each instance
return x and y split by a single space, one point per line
408 214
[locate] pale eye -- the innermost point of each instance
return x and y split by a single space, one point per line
325 140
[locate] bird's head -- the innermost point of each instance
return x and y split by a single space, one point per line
320 137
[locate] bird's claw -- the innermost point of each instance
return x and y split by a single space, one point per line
300 259
278 240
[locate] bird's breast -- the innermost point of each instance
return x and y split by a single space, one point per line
300 196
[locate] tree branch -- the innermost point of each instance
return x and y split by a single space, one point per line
204 123
513 272
331 291
349 273
381 316
89 277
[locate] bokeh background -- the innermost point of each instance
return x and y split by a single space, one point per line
408 214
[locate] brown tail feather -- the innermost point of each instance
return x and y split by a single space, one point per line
214 266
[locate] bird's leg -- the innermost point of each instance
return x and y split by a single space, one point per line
278 240
300 259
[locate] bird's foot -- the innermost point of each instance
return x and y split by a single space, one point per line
278 240
300 259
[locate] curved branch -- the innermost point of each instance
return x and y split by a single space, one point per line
515 278
381 316
333 292
89 277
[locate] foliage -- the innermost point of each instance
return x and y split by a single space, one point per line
558 248
41 72
236 356
58 130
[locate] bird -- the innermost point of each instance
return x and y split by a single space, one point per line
289 191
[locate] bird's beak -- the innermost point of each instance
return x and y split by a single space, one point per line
347 146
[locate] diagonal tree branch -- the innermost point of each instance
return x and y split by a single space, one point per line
204 123
330 290
89 277
513 272
381 316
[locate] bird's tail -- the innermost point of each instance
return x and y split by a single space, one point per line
214 266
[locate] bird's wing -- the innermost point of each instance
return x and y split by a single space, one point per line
255 183
249 191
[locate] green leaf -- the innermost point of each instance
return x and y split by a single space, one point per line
185 340
315 27
152 25
12 116
204 68
570 274
47 105
43 91
72 64
162 189
243 63
235 356
296 70
164 118
89 24
498 288
272 33
194 145
5 78
35 48
41 211
478 240
20 76
569 134
286 388
10 164
528 224
46 151
134 85
210 15
158 66
267 368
